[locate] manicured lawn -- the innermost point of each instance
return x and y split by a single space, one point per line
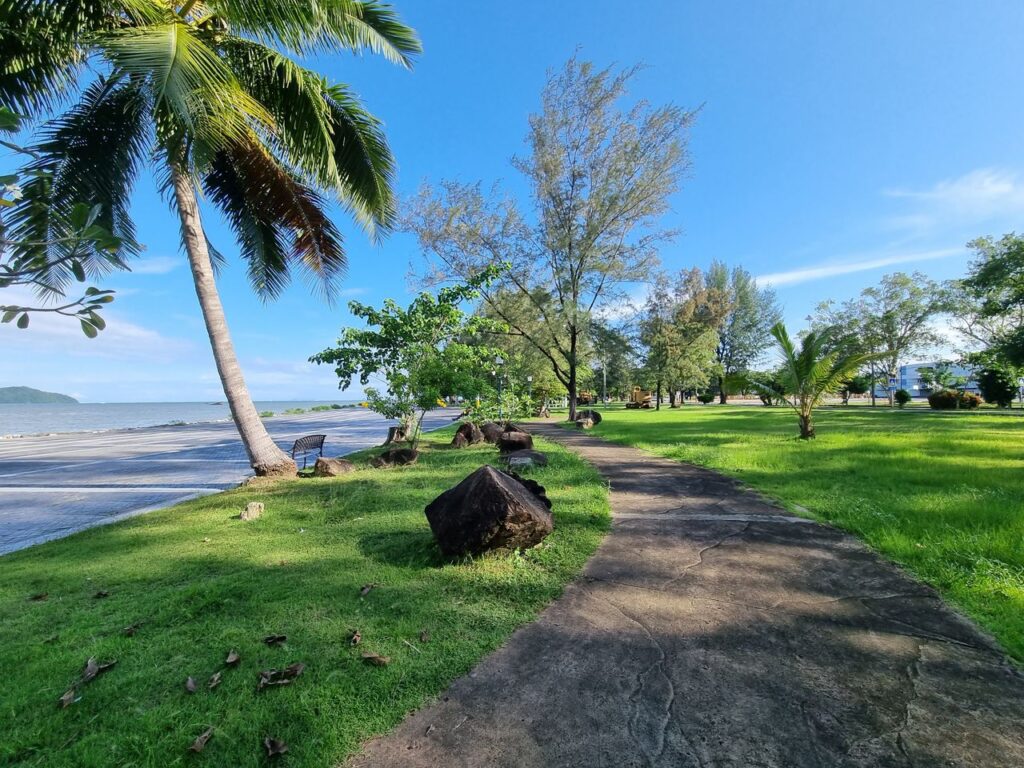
940 493
199 583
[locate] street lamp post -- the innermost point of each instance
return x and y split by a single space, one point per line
1020 390
498 362
604 382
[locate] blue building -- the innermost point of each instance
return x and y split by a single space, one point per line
909 378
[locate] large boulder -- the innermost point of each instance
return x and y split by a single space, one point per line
491 431
510 427
589 413
332 467
533 487
488 510
525 459
514 441
585 423
396 457
470 434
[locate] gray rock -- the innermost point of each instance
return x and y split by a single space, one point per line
252 510
585 423
488 510
470 433
491 431
589 413
514 441
332 467
525 458
396 457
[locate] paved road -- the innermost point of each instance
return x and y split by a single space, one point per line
711 630
58 484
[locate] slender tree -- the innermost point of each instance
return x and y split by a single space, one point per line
601 177
745 331
812 371
206 91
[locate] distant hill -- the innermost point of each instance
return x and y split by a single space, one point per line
29 395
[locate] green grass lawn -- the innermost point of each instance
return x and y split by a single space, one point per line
940 493
199 583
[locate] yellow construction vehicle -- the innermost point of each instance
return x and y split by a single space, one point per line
640 398
585 397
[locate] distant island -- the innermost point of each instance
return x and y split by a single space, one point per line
29 395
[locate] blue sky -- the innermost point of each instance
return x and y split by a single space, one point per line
837 142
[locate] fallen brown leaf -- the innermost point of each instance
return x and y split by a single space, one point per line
51 639
424 636
101 594
286 676
67 699
356 638
274 747
366 589
275 639
201 739
233 658
190 684
214 681
376 659
131 629
40 596
94 669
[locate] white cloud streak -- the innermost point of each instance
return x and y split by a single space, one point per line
834 269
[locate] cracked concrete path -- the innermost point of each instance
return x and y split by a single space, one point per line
713 629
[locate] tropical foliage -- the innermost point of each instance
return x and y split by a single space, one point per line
813 370
207 93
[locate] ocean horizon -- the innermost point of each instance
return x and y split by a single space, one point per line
25 419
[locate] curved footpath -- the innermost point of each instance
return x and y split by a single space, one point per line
713 629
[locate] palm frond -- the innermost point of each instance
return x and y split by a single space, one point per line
190 84
322 26
90 154
280 222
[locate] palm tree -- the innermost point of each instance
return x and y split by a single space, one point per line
206 91
817 368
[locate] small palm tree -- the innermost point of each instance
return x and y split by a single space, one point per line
206 92
818 368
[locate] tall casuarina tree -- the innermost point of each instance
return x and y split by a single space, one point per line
206 93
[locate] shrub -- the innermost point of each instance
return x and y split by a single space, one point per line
320 408
902 397
705 397
997 386
948 399
266 414
294 411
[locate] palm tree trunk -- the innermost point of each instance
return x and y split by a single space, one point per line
264 455
807 426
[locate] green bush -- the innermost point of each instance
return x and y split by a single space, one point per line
997 386
320 408
706 397
902 397
336 407
948 399
294 411
266 414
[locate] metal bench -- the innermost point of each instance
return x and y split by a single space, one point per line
307 445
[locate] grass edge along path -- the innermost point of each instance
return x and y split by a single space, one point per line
169 594
941 494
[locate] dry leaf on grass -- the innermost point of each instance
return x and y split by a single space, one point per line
376 659
286 676
356 638
190 684
275 639
67 699
40 596
274 747
424 636
131 629
94 669
366 589
233 658
214 680
201 739
101 594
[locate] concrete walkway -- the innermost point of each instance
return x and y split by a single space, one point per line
54 485
713 629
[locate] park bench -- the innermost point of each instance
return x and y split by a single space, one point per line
307 445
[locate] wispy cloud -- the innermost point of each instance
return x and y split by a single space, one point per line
156 265
862 264
976 198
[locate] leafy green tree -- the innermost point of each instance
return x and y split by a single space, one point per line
816 369
994 293
207 93
855 385
418 352
78 249
998 386
940 376
601 176
745 332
